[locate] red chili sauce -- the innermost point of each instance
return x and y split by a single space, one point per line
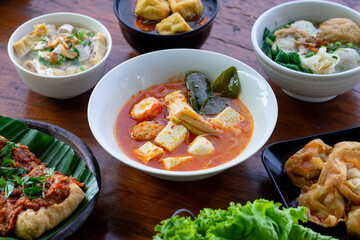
229 144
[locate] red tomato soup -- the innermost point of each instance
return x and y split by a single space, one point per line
228 144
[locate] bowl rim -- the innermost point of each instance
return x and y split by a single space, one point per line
168 173
13 60
118 16
305 76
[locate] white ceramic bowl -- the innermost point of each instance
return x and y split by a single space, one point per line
60 86
144 71
303 86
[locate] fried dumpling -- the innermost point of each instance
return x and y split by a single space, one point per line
322 62
172 25
188 9
348 153
98 48
304 167
326 206
25 44
353 221
290 39
152 9
333 173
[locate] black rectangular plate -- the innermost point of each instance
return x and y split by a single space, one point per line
275 155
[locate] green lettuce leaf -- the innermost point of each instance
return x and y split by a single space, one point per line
261 219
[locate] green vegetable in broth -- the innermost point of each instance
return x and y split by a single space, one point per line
202 96
199 89
227 84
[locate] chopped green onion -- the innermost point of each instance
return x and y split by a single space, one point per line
338 43
334 57
42 39
89 34
331 51
41 60
85 42
82 68
70 44
80 34
309 54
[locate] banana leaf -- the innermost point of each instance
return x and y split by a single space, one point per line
55 154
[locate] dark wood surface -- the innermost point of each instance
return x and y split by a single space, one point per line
132 203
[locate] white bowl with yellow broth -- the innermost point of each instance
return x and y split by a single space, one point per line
117 87
60 55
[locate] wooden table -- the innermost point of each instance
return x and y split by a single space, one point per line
131 203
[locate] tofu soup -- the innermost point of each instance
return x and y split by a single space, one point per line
60 50
161 126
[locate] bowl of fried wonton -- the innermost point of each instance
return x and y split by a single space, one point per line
310 49
107 109
155 25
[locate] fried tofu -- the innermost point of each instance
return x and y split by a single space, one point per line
149 151
188 9
152 9
171 162
25 44
227 118
182 113
172 25
201 146
98 48
148 108
171 136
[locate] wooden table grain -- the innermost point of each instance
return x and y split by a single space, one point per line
131 203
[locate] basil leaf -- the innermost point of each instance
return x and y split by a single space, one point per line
9 188
17 179
6 172
21 171
2 184
49 171
7 161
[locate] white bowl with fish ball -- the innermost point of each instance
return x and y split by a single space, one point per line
124 81
304 86
61 87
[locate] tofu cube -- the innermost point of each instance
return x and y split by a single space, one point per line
66 28
172 162
149 151
152 9
227 118
147 108
181 112
201 146
171 136
188 9
172 25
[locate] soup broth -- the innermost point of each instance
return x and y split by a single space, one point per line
60 50
228 145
